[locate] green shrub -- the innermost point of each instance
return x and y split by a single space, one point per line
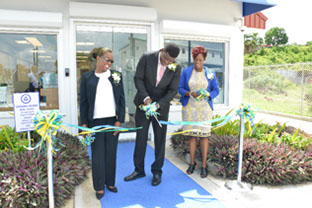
23 175
230 128
266 81
263 163
283 134
9 139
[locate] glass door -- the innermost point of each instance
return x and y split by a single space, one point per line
128 43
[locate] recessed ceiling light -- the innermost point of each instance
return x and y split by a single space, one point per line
33 41
38 51
85 43
44 56
22 42
83 57
83 51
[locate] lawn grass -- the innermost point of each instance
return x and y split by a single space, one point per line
283 103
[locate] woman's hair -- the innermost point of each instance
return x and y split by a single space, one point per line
99 52
199 50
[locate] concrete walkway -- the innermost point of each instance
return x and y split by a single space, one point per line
260 196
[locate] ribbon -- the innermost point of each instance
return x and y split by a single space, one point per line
150 110
90 132
201 123
48 125
244 110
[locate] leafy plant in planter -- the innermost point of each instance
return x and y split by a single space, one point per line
9 139
23 175
180 144
230 128
263 163
283 134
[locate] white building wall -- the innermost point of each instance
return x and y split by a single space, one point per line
209 11
212 19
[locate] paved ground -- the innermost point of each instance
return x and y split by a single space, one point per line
260 196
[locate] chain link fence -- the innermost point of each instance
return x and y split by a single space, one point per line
285 88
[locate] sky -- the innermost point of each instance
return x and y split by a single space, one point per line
295 16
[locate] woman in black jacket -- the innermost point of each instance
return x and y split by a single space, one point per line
102 102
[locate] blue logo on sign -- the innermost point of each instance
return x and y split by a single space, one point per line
25 99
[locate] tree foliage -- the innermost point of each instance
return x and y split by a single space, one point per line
279 55
276 36
252 42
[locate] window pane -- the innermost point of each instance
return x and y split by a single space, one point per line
214 61
28 63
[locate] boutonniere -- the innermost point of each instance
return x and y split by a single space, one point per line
172 66
210 75
116 77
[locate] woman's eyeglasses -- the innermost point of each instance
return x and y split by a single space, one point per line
107 59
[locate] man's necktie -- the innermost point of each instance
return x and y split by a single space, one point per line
160 74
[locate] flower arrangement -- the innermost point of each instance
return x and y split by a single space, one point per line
210 75
116 77
172 66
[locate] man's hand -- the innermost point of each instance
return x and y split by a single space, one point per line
148 101
188 93
157 105
118 124
194 94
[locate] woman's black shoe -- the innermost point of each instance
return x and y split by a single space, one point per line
204 172
190 169
99 195
113 189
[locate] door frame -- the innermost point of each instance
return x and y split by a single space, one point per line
73 67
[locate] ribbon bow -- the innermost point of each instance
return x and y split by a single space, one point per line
246 112
47 127
150 110
202 94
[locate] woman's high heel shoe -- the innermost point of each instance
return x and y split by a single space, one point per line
204 172
190 169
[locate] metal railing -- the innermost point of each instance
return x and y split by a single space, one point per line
285 88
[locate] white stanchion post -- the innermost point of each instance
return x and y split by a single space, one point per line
237 185
29 139
240 151
50 175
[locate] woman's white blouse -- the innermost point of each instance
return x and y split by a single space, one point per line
105 105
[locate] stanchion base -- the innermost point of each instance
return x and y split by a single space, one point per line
238 186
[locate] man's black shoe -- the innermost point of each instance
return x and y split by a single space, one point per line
156 179
134 176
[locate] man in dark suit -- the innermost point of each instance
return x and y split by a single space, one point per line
155 81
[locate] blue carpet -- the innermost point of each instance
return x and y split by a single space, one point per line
175 190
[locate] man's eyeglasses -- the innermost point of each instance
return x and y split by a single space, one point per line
107 59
